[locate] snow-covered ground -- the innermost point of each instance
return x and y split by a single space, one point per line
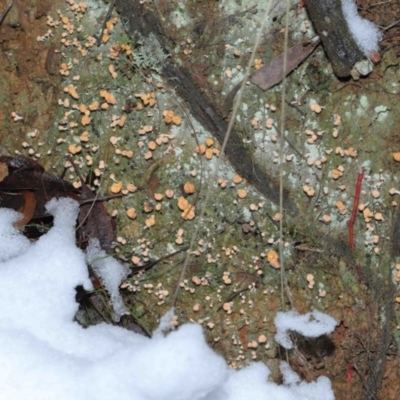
44 354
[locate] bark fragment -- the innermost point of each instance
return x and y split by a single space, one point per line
331 26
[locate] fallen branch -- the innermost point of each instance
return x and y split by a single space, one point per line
140 22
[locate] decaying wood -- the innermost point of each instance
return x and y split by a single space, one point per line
396 236
108 15
382 307
140 22
331 26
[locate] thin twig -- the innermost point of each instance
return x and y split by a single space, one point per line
391 25
355 207
92 200
100 199
6 10
296 107
151 264
281 146
107 17
233 296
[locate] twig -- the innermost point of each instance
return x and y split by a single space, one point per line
91 200
348 84
350 370
100 199
296 107
355 207
386 28
232 296
108 15
281 145
155 262
6 10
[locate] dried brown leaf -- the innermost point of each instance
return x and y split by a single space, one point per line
272 73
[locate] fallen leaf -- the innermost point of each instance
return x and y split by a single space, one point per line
26 187
28 208
272 73
93 218
26 175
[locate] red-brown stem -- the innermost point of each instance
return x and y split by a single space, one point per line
349 374
355 207
359 273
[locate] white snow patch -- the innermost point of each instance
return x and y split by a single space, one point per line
365 33
111 274
312 324
11 242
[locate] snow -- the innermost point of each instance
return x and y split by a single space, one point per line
44 354
312 324
11 243
111 274
365 33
